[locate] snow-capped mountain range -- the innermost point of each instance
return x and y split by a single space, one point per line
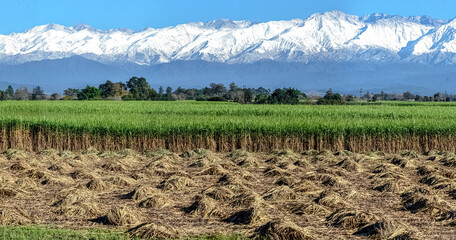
326 50
331 36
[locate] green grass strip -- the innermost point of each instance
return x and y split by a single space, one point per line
54 232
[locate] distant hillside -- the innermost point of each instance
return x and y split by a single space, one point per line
332 49
76 72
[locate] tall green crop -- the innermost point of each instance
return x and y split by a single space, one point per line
230 119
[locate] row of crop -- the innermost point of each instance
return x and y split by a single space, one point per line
240 127
206 119
122 110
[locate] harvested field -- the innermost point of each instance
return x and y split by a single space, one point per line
275 195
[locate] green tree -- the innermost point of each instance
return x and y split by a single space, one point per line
181 93
237 96
248 95
180 90
38 93
169 90
167 97
384 95
285 96
331 98
350 98
89 93
263 98
215 89
437 97
153 95
375 98
113 91
55 96
9 93
107 89
233 87
262 90
139 88
408 95
71 94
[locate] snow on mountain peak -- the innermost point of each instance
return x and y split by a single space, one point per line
329 36
452 22
426 20
334 15
372 18
47 27
82 26
226 23
423 20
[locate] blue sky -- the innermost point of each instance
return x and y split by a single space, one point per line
17 16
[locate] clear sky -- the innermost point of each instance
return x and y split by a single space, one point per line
19 15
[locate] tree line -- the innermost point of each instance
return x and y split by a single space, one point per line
138 89
408 96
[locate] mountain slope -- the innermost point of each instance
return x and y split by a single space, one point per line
344 77
330 36
57 75
326 50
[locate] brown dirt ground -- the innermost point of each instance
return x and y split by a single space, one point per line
326 195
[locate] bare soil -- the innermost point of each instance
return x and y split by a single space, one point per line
280 195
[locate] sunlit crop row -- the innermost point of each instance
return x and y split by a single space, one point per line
207 119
